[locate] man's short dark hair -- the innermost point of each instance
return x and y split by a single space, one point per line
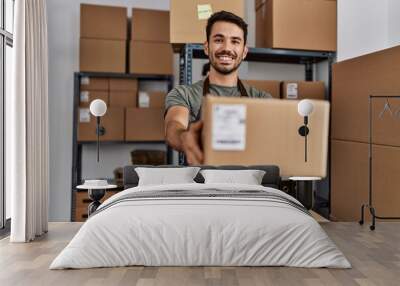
224 16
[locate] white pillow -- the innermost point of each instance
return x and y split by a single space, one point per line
163 176
248 177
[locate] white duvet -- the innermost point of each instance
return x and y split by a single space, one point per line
200 231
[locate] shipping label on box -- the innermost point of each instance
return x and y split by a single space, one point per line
85 96
144 100
229 127
292 91
84 115
85 80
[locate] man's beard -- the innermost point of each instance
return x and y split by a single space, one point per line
222 69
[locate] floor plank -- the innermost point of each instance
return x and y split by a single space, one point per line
375 256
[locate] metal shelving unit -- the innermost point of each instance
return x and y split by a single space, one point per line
77 146
188 52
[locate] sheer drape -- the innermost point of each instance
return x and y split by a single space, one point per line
28 120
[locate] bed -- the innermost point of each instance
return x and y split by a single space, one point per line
201 224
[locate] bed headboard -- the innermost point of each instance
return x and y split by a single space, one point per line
271 178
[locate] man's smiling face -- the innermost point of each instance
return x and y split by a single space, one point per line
226 48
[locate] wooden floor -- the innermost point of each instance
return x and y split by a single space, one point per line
375 257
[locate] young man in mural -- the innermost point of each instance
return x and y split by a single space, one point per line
226 48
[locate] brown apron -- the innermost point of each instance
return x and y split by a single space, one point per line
206 90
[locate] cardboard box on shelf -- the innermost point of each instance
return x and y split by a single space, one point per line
148 157
150 58
123 92
144 124
94 83
102 55
300 25
103 22
353 81
123 98
262 22
151 99
87 96
188 18
123 84
271 86
150 25
250 131
303 89
113 122
350 177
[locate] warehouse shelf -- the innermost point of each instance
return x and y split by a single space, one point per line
77 146
188 52
268 54
120 142
126 75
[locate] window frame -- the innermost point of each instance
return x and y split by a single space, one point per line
6 39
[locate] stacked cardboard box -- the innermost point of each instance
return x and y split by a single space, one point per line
148 157
123 92
150 51
91 89
151 99
270 86
303 89
353 81
103 38
300 24
144 120
144 124
150 109
290 89
189 18
112 121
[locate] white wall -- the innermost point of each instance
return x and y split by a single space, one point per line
63 31
394 23
362 27
366 26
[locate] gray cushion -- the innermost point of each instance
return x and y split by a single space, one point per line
270 179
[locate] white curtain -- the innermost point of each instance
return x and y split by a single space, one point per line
28 121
